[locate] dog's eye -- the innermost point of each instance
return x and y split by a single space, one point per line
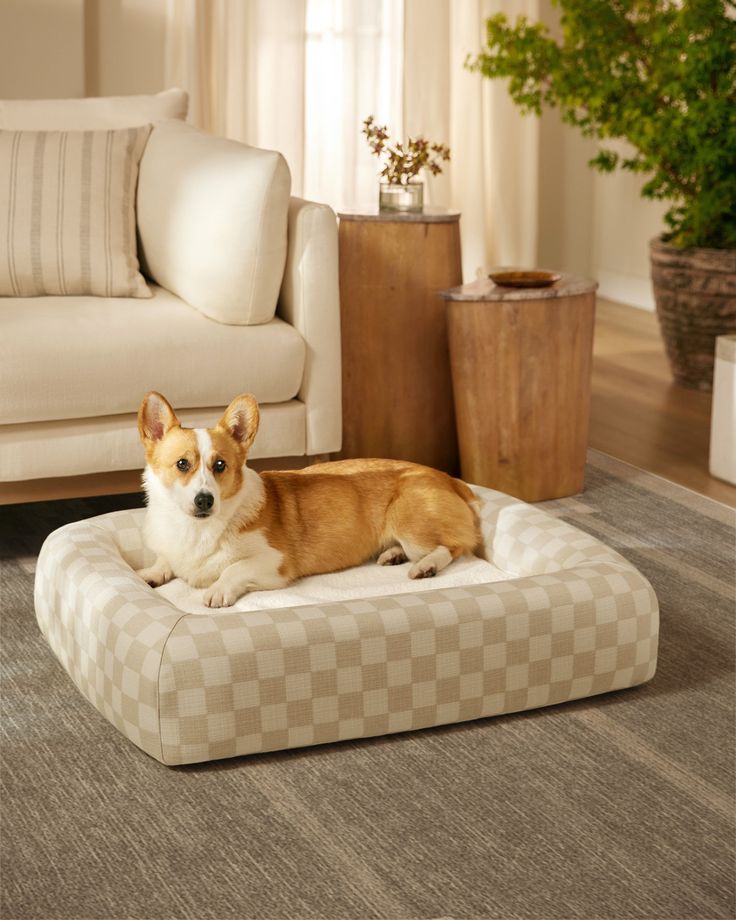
182 465
219 466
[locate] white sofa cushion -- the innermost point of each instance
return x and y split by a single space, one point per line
212 221
78 447
78 357
67 199
91 114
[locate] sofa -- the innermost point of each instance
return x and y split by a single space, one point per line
240 295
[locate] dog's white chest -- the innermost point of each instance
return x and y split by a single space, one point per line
199 552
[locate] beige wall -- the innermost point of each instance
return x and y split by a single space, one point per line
41 49
566 196
63 48
125 46
624 224
594 223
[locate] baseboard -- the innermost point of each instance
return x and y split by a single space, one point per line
44 490
628 289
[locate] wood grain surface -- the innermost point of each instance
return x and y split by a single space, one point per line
397 391
639 414
521 378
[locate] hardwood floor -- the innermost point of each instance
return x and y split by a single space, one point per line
637 414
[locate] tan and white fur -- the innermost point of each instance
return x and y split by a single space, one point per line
221 526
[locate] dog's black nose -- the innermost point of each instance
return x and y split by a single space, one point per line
203 501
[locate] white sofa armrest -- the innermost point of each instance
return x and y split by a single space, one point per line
310 301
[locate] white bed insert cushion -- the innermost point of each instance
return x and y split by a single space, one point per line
572 618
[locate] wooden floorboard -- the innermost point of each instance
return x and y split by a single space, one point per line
637 413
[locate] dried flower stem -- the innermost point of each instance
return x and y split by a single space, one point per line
403 163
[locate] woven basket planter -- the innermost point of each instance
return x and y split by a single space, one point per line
695 293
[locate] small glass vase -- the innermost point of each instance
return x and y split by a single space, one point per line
407 198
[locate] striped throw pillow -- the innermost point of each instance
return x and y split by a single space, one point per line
67 212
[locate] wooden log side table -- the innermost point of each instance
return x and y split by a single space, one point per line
396 384
521 362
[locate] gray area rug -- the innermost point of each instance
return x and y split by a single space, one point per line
619 806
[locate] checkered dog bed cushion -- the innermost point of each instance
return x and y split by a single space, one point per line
573 619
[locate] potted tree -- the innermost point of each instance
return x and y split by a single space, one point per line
662 76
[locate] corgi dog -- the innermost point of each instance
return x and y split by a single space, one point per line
219 525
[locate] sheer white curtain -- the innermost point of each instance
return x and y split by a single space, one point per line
242 62
300 76
493 175
353 68
297 76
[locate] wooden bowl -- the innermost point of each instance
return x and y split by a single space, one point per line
524 279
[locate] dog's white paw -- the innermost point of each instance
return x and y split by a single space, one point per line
155 575
218 595
423 569
394 555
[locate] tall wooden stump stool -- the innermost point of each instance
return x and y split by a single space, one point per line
521 362
396 385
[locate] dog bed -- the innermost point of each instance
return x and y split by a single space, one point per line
552 615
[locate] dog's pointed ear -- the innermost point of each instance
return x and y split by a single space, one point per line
155 417
241 419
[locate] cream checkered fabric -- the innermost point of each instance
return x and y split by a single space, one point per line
574 619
